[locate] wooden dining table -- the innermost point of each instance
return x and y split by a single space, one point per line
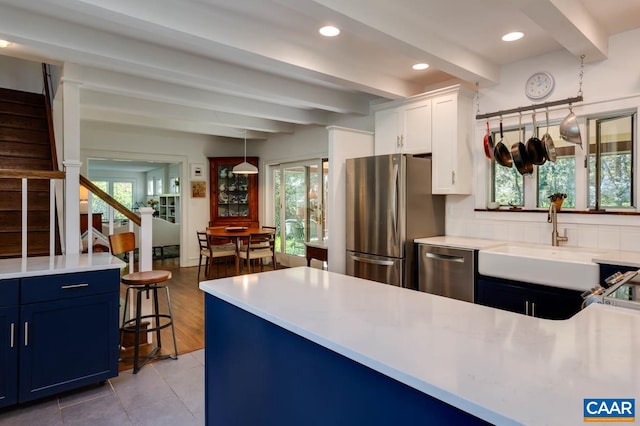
236 235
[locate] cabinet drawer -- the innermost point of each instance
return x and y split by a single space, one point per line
66 286
8 293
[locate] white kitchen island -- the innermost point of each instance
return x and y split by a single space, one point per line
495 365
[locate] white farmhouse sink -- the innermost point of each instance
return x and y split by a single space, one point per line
567 267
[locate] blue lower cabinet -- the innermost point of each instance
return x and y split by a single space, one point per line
257 373
67 344
57 333
528 299
8 356
9 326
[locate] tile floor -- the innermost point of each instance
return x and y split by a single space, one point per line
168 392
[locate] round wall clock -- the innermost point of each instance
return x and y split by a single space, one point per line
539 85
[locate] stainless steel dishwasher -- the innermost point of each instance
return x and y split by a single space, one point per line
446 271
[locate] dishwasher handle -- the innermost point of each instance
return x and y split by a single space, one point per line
445 257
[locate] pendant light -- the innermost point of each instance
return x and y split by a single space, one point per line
245 168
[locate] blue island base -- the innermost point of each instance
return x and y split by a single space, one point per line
257 373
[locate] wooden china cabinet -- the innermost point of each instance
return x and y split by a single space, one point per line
233 198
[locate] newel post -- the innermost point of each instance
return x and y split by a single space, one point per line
146 239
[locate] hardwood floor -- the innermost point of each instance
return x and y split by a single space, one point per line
187 303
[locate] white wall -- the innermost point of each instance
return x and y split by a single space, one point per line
115 141
19 74
343 143
609 85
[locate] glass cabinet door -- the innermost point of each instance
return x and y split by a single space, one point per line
233 193
234 197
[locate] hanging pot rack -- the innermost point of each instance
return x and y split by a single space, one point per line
532 107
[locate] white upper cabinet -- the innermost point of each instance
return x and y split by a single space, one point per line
436 123
451 134
403 127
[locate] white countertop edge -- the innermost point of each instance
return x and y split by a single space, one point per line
460 242
55 265
424 387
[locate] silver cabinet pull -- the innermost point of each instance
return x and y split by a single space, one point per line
446 257
26 333
533 309
13 335
453 178
65 287
526 307
372 261
401 140
398 141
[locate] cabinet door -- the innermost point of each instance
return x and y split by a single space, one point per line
387 132
417 128
502 295
67 343
8 356
554 303
445 146
233 198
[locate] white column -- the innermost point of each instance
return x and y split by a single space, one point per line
71 162
146 239
343 143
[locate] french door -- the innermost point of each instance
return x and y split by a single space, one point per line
299 191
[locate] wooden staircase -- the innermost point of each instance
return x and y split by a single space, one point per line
26 143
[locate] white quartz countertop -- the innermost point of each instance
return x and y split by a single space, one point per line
460 242
500 366
614 257
51 265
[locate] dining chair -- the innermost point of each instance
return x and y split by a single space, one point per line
213 248
148 282
260 245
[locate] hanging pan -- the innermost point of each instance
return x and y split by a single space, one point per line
520 157
569 129
547 141
535 147
501 153
488 144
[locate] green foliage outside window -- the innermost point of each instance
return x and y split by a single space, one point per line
508 186
615 180
557 177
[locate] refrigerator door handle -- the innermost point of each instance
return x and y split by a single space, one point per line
372 261
394 208
445 257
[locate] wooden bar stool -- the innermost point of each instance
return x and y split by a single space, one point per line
141 282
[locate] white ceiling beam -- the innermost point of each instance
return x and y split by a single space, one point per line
570 24
128 85
161 110
90 113
214 26
81 44
399 28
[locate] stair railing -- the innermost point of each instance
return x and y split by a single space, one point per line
144 222
25 175
46 75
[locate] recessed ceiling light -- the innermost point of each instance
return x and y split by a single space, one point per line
516 35
5 43
420 66
329 31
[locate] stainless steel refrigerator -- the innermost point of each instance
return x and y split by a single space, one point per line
389 204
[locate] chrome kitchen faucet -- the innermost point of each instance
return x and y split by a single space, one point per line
553 219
